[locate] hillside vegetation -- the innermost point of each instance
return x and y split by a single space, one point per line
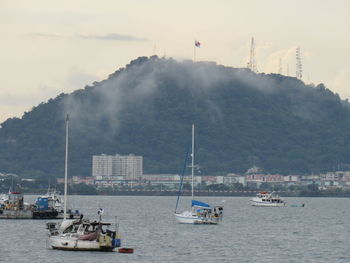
147 108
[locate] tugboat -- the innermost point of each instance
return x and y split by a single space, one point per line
267 199
14 207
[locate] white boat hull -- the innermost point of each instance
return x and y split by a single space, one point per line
73 243
185 218
190 218
266 204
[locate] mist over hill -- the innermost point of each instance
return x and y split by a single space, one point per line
147 108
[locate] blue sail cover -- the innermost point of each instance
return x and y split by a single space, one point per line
199 203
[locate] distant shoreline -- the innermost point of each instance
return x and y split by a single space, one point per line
211 193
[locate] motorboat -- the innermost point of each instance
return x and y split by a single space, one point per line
266 199
200 213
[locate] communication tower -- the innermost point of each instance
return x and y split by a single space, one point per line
299 68
280 66
252 63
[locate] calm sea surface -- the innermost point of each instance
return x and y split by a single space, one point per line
318 232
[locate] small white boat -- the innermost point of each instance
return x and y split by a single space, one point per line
81 234
266 199
200 213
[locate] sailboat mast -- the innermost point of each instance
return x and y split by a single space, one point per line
192 158
66 171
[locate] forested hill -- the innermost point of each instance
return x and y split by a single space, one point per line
242 119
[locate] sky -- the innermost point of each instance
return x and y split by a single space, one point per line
50 47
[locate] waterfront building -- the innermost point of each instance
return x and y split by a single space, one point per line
129 167
234 178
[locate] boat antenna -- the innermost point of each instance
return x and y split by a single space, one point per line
116 224
66 171
12 188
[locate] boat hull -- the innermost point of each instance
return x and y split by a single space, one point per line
188 218
74 244
16 214
267 204
30 214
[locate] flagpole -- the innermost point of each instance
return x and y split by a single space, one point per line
194 53
196 44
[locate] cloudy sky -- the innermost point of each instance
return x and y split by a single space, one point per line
50 47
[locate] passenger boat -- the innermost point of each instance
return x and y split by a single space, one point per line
267 199
200 213
81 234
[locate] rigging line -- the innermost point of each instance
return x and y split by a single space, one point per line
182 176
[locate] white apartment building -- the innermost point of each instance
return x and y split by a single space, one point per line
129 167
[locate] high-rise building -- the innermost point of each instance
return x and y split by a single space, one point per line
102 165
129 167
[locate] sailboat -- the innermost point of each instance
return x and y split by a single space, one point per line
81 234
200 213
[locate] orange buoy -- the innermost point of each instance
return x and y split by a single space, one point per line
126 250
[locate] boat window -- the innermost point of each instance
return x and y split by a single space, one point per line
68 229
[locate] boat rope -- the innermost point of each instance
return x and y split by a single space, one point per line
182 176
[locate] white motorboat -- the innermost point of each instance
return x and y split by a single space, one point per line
200 213
81 234
266 199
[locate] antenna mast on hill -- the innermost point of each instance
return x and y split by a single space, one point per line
280 66
252 62
299 68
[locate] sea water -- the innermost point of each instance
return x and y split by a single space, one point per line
318 232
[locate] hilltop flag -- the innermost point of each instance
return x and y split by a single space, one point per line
197 43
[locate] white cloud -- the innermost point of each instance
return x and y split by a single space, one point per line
112 37
341 83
